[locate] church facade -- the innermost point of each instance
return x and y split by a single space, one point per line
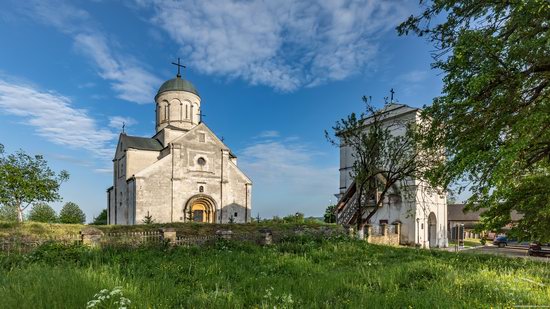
419 209
183 173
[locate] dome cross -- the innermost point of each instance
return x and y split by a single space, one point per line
179 66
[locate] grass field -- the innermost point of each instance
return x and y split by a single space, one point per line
298 273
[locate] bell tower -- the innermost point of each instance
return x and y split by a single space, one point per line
178 104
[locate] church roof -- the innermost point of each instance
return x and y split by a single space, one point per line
455 212
177 84
142 143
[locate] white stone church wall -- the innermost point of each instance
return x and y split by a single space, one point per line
137 160
431 201
112 205
153 192
237 199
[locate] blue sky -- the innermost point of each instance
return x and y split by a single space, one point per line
273 75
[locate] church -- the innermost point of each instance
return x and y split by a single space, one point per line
183 173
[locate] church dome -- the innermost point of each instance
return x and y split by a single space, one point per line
178 84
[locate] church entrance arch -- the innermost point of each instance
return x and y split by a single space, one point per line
432 230
200 208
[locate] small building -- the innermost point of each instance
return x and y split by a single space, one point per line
462 223
184 172
420 210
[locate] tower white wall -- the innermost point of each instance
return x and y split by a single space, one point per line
180 109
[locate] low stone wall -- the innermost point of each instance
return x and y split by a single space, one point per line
94 237
384 234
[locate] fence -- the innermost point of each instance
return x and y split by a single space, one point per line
96 238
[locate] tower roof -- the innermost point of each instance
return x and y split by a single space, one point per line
177 84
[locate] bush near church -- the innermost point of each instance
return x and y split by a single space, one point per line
71 214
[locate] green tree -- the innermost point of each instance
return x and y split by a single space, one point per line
26 179
101 219
42 212
148 219
330 215
493 116
71 214
8 213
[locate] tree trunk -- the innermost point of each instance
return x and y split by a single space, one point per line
359 216
19 213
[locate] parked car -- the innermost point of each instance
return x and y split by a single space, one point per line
500 241
537 249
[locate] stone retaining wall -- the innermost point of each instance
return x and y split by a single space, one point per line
384 234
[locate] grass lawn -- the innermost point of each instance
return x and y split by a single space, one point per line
468 242
298 273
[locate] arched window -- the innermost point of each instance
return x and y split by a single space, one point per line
158 114
163 111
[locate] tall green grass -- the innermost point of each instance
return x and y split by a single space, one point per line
298 273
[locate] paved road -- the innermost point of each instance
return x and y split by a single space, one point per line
520 252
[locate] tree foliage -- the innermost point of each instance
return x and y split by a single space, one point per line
71 214
26 179
8 213
101 219
383 158
148 219
42 212
493 116
330 215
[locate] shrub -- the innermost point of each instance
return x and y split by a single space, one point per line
295 218
54 253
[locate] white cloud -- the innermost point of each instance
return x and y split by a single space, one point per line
116 122
106 170
55 118
286 179
416 76
268 134
284 44
128 79
131 82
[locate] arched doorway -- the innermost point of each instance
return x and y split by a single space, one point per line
432 230
200 208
